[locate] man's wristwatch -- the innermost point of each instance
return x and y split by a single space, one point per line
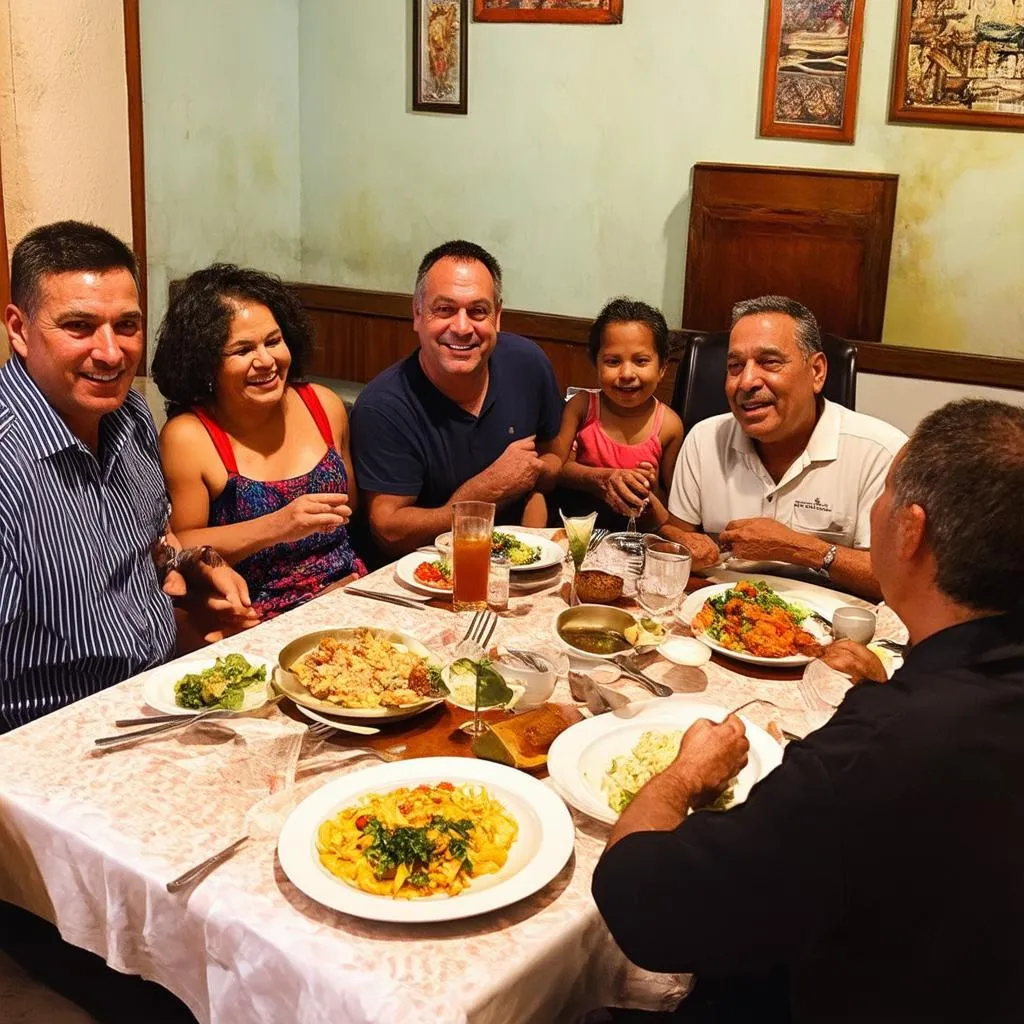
826 562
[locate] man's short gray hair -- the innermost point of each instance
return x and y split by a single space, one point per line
964 465
808 336
461 251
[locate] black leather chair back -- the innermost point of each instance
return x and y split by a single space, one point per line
699 390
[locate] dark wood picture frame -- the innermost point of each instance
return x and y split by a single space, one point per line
609 14
806 83
946 75
421 57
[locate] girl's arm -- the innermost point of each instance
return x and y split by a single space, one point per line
556 452
671 438
535 513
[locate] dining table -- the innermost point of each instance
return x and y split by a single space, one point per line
89 839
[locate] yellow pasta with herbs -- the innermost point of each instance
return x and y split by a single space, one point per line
412 843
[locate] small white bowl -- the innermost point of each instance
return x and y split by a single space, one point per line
443 543
685 650
537 686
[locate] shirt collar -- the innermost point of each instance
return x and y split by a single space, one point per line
430 393
990 641
44 431
823 445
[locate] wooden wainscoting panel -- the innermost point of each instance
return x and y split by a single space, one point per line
359 333
820 237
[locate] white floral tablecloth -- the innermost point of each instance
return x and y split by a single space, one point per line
89 840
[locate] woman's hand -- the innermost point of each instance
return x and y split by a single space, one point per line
311 513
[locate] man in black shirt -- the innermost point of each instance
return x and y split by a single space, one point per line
876 874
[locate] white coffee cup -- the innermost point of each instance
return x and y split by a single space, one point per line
850 623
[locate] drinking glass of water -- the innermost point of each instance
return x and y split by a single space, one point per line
664 576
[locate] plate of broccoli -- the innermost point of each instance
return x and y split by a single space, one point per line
235 682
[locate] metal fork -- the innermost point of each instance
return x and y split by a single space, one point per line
319 731
481 628
182 722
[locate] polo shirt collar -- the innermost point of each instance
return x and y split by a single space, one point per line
430 393
823 445
45 433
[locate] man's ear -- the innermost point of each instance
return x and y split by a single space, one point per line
819 369
912 527
16 322
497 317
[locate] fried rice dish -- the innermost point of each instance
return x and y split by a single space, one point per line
365 671
752 618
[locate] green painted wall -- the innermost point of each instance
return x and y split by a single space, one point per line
221 119
574 160
573 163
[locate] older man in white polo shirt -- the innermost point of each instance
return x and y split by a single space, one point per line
787 476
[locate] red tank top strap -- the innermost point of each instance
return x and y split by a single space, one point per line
220 440
593 408
659 417
316 410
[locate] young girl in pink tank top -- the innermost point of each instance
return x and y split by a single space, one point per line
617 448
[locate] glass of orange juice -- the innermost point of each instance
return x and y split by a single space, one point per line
472 526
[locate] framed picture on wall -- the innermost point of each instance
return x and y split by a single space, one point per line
591 12
440 56
958 65
811 69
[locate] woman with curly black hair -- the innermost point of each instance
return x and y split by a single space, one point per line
257 462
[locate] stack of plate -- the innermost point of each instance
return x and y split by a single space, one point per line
523 579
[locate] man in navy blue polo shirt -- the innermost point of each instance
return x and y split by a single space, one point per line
464 418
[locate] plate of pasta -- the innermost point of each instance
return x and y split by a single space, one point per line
601 763
429 839
361 672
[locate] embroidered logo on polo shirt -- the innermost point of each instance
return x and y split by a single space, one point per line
815 506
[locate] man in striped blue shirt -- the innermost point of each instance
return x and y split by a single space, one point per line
82 496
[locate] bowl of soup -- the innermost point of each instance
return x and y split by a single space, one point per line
594 630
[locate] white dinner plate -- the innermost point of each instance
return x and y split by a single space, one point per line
580 756
405 570
550 552
286 682
158 689
541 849
814 600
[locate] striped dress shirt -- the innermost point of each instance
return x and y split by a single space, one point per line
80 604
